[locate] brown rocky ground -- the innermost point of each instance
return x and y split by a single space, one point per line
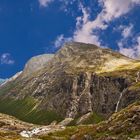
124 125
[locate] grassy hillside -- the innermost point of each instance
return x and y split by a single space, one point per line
26 110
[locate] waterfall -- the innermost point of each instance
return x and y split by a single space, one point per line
74 103
76 98
88 84
138 77
117 106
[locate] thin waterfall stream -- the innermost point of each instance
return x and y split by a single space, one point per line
118 103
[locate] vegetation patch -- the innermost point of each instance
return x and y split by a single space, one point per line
65 134
7 88
25 110
126 71
135 86
9 135
94 118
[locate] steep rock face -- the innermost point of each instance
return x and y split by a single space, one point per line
78 79
128 97
93 93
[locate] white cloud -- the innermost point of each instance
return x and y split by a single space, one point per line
60 40
115 8
130 52
127 31
136 1
137 46
64 3
45 2
6 59
111 9
84 29
133 51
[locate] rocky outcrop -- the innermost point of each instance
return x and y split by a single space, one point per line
129 97
93 93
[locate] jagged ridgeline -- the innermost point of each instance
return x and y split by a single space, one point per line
77 80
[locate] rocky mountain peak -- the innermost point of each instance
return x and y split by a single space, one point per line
83 48
88 57
75 57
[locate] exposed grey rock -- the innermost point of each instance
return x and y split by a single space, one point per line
83 118
87 137
66 121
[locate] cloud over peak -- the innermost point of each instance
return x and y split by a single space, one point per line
60 40
88 30
111 9
131 51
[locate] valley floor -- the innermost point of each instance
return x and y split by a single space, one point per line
124 125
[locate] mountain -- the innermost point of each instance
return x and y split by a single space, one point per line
79 79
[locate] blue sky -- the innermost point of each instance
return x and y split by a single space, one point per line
33 27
